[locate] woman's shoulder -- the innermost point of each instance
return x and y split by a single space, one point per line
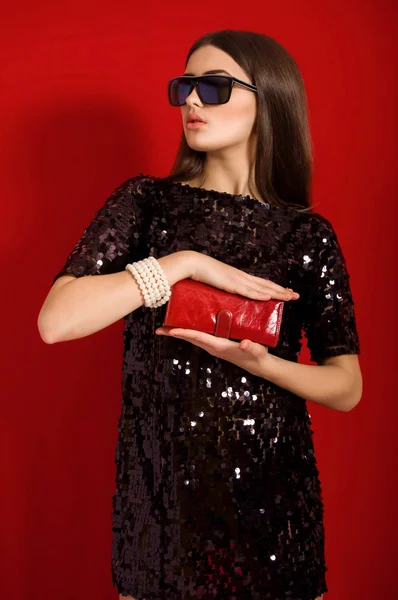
137 183
315 223
139 188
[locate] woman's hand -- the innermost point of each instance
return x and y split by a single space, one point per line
246 354
249 355
207 269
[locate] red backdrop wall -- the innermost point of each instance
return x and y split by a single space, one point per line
84 107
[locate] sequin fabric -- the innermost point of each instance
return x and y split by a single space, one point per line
217 487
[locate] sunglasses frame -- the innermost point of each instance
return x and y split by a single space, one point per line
195 80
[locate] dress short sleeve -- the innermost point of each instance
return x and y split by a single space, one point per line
326 301
109 241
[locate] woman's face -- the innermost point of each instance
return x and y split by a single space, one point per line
228 125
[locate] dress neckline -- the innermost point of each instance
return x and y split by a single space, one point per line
203 193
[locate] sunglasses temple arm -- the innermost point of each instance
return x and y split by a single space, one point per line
248 85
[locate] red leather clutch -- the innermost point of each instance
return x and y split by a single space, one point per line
196 305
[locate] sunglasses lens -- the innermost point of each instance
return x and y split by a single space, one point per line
215 90
212 90
179 90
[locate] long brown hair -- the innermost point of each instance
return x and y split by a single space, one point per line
283 160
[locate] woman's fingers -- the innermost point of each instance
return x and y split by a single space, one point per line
263 294
284 294
269 286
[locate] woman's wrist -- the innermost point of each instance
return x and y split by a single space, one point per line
178 265
189 263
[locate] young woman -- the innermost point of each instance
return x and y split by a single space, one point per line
217 487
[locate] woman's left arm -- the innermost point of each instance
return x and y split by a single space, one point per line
336 384
326 310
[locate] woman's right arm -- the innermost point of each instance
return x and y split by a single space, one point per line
93 290
76 307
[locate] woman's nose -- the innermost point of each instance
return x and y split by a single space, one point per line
193 98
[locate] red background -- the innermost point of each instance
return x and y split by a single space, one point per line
84 107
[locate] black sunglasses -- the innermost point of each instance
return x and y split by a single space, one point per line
212 89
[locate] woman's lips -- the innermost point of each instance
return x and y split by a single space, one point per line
195 124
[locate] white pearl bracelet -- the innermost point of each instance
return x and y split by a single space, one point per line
151 280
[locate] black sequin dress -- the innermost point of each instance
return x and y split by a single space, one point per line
217 488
